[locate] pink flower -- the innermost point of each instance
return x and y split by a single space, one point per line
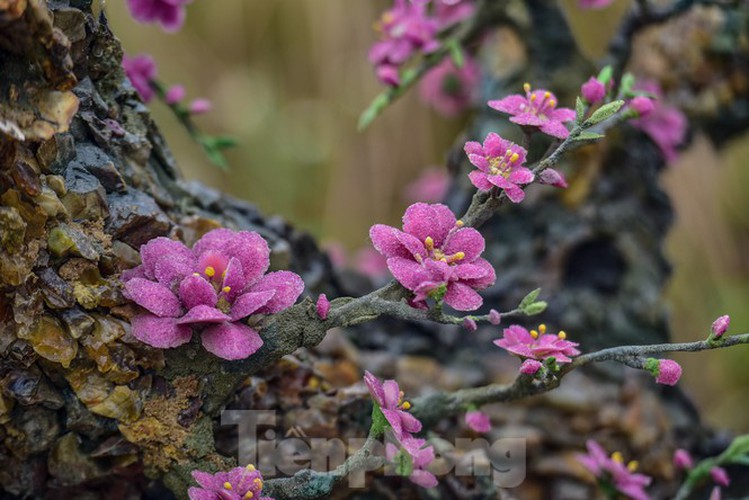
611 470
323 306
170 14
404 30
239 483
370 263
500 164
430 187
715 494
533 345
140 70
536 109
594 4
435 253
213 286
642 105
200 106
665 125
449 12
448 89
553 178
682 459
421 456
495 317
530 367
478 421
470 324
389 398
175 94
720 476
669 372
720 325
593 91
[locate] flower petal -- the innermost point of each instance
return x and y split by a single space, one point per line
408 272
160 248
422 220
555 129
231 340
521 175
385 240
462 297
375 388
477 282
512 104
206 480
248 303
247 246
287 285
392 394
158 332
203 314
479 180
466 240
195 291
155 297
195 493
423 478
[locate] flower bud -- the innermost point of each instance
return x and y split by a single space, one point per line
643 105
720 325
593 90
530 367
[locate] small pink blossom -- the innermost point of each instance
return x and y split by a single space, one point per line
200 106
530 367
448 89
642 105
405 29
665 125
594 4
140 70
715 494
720 325
389 398
470 324
720 476
211 287
682 459
500 163
323 306
175 94
421 456
239 483
435 252
669 372
430 187
593 91
495 318
537 108
170 14
449 12
538 346
553 178
612 470
478 421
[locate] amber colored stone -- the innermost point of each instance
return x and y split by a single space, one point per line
90 387
122 404
26 179
50 340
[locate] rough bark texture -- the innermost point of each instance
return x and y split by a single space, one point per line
85 179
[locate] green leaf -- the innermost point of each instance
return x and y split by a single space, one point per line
579 109
375 108
589 136
628 82
379 422
605 74
738 448
404 464
456 54
438 293
535 308
529 299
604 112
223 142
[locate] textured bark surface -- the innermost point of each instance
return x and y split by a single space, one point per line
85 179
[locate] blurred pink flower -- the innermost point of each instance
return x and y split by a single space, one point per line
612 470
533 345
434 251
682 459
449 12
175 94
370 262
478 421
199 106
421 457
593 90
170 14
720 476
239 483
448 89
666 125
553 178
430 187
500 163
642 105
140 70
537 108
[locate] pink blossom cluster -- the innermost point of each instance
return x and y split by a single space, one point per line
240 483
389 398
537 109
537 346
683 460
450 89
211 287
500 165
170 14
436 255
612 471
666 125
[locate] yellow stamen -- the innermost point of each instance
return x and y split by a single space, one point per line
249 494
552 103
223 275
542 329
250 467
459 256
258 482
562 335
443 259
527 87
547 94
226 289
228 485
210 271
617 457
633 465
514 157
533 97
534 334
429 242
460 223
406 405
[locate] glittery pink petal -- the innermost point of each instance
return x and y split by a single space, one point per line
410 423
248 303
521 175
200 494
422 220
476 281
528 119
166 260
385 240
375 388
462 297
555 129
512 104
392 393
423 478
515 194
479 180
158 332
153 296
208 481
412 244
480 162
231 340
203 314
247 246
408 272
287 285
473 148
466 240
195 290
563 115
136 272
235 278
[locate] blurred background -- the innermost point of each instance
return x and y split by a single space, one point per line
289 78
